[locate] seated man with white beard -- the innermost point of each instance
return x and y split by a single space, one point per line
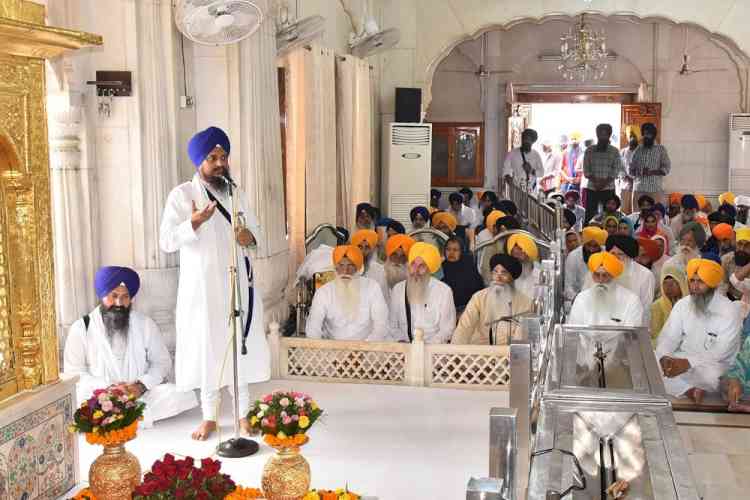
351 307
115 346
606 302
367 242
692 237
576 263
524 249
396 252
500 299
634 277
422 302
701 338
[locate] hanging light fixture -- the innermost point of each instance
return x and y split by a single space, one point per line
584 53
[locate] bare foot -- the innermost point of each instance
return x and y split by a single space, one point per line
204 430
696 395
245 428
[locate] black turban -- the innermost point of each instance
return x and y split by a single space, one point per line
625 243
455 198
507 207
570 217
510 263
508 222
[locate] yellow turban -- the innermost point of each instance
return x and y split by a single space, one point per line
368 235
492 218
351 252
608 261
701 201
526 243
633 130
597 234
743 234
398 241
710 272
428 253
576 136
726 198
446 218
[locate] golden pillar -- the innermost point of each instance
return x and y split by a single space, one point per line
28 338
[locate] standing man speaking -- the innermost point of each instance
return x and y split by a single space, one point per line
197 222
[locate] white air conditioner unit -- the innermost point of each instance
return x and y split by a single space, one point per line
407 172
739 153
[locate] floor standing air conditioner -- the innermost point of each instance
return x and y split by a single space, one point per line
407 173
739 153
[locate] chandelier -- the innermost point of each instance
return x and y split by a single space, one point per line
583 53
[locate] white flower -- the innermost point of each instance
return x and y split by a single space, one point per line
260 414
284 402
264 407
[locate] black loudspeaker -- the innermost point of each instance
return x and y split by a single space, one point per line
408 105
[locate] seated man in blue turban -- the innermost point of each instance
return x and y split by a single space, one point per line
116 346
197 222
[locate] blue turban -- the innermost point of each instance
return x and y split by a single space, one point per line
110 277
419 210
383 222
204 142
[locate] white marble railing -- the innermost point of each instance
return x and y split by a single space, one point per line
416 364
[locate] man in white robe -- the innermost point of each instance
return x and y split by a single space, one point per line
523 164
692 238
606 302
397 254
429 301
576 268
351 307
195 222
635 277
116 346
702 336
524 248
367 241
489 317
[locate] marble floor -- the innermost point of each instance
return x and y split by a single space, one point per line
385 441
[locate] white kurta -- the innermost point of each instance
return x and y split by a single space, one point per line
376 272
437 318
100 363
576 271
513 165
626 310
709 342
527 283
328 320
639 280
466 217
203 293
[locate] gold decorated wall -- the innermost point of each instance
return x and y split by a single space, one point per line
28 342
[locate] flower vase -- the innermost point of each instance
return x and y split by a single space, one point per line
115 474
286 475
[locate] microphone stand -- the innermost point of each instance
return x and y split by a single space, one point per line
236 447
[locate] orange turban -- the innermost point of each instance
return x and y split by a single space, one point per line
446 218
398 241
492 218
723 231
702 202
710 272
651 248
428 253
597 234
608 261
351 252
368 235
727 197
526 244
743 234
675 198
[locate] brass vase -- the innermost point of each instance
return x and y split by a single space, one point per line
286 475
115 474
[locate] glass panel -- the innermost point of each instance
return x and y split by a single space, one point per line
467 142
440 155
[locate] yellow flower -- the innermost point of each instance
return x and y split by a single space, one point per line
253 420
313 495
98 414
313 405
304 422
281 435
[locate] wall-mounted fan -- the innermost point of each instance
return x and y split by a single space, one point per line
481 70
217 22
291 33
369 39
686 70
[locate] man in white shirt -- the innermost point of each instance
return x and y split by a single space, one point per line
367 242
606 302
397 252
524 248
635 277
116 346
422 302
523 164
470 202
576 263
463 213
701 338
351 307
551 172
692 238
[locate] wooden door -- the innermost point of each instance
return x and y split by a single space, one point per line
638 114
457 154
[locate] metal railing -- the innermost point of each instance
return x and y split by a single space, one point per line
534 210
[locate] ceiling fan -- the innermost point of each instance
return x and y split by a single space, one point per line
686 70
293 32
369 39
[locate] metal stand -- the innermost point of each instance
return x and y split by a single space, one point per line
236 447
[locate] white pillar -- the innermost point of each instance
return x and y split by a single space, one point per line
254 112
493 114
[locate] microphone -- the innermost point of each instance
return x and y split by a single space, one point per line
228 178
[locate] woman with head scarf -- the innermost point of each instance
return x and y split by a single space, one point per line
460 273
625 227
611 224
673 283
